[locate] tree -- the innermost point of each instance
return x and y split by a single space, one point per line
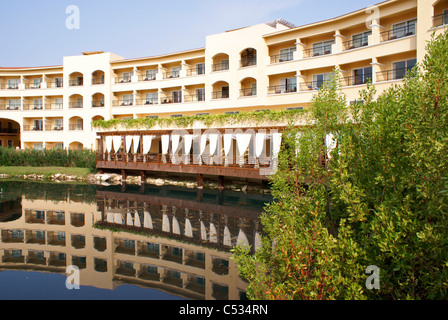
377 197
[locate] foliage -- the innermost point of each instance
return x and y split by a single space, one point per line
49 157
256 117
380 200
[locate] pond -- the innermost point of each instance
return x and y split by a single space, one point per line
123 242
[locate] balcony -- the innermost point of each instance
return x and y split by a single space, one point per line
278 58
126 103
194 98
223 66
220 95
440 20
76 83
97 81
172 100
316 52
125 79
53 128
9 107
248 62
75 127
97 104
33 85
146 102
249 92
397 33
281 89
171 75
195 72
389 75
53 85
355 80
32 128
76 105
355 43
150 77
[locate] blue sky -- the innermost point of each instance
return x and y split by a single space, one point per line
34 33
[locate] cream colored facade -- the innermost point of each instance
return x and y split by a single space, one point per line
267 66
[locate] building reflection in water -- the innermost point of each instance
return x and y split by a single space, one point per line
171 239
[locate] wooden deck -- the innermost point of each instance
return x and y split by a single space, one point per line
158 163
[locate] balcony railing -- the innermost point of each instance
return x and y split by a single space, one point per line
171 100
355 43
147 78
75 105
397 33
282 57
282 89
122 103
10 86
9 107
170 75
440 20
194 98
220 95
76 83
220 67
147 102
96 81
249 92
316 52
123 79
97 104
312 85
33 85
394 74
54 106
195 72
52 85
31 106
247 62
75 127
355 80
32 128
53 128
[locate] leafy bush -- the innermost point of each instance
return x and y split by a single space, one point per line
48 158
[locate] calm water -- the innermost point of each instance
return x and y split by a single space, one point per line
128 242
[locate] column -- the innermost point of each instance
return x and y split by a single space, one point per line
339 39
298 55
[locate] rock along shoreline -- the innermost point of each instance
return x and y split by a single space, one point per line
116 179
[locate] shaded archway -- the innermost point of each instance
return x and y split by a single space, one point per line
9 133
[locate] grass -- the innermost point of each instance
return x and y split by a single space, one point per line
46 171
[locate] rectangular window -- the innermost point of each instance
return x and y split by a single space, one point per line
288 85
14 104
58 124
36 83
58 82
324 47
176 96
38 146
128 100
175 72
200 94
13 83
224 92
225 64
403 29
360 39
152 98
362 75
200 68
37 104
127 76
287 54
150 74
319 80
37 125
402 67
58 145
58 102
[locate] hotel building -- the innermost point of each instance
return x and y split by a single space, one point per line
270 66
